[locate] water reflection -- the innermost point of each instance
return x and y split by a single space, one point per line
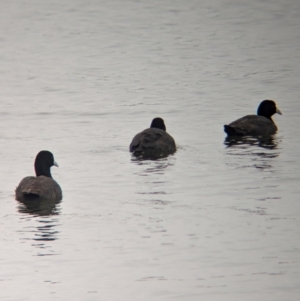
261 150
45 215
39 207
151 180
270 142
153 166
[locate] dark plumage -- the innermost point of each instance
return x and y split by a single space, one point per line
42 186
153 142
255 125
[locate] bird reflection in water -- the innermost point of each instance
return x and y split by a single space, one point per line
45 213
259 149
151 180
264 142
153 166
39 207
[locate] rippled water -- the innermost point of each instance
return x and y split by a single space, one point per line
218 220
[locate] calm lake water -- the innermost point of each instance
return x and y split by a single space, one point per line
215 221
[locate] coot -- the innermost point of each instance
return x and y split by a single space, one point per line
153 142
42 186
255 125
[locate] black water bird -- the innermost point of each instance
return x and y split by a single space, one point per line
154 142
42 186
255 125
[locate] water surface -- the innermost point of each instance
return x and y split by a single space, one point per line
218 220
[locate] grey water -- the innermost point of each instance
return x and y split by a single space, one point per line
215 221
